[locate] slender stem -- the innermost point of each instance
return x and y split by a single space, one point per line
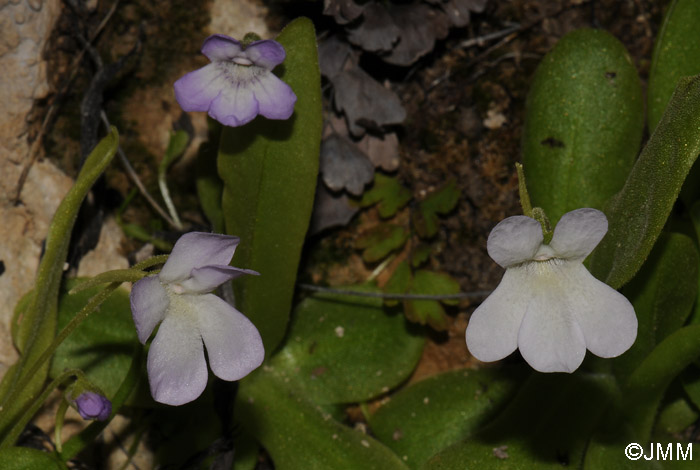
382 295
19 426
46 355
58 427
165 193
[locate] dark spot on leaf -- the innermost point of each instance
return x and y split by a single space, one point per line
2 267
610 75
553 143
563 458
312 347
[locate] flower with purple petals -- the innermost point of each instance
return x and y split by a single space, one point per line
548 305
238 84
191 317
92 405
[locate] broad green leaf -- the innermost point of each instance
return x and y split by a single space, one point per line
344 349
387 193
37 327
646 386
547 426
674 418
676 55
103 345
299 435
381 240
662 294
584 123
269 169
440 202
210 188
639 211
430 415
23 458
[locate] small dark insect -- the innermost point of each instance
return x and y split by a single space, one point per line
2 267
610 75
553 143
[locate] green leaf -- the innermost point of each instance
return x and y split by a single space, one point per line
639 211
210 188
430 415
381 240
103 345
676 55
662 294
387 193
37 328
299 435
23 458
399 283
344 349
420 254
547 426
674 418
584 123
269 169
176 147
646 386
441 201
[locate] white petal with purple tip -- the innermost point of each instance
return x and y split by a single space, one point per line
196 90
266 53
236 105
177 370
149 303
197 249
234 346
219 47
275 98
208 278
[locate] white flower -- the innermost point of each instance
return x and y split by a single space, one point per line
547 303
178 297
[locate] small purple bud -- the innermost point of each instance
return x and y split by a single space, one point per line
93 406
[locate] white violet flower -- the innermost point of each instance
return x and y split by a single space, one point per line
548 305
178 298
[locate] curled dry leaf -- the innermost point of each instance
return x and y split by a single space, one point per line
343 11
377 32
332 55
344 166
382 151
360 97
420 26
330 210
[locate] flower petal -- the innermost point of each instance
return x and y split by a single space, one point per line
605 316
514 240
149 302
208 278
275 98
177 370
578 233
550 339
266 53
221 47
234 346
196 90
492 332
236 105
195 250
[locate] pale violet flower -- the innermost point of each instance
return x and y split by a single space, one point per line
548 305
238 84
178 298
